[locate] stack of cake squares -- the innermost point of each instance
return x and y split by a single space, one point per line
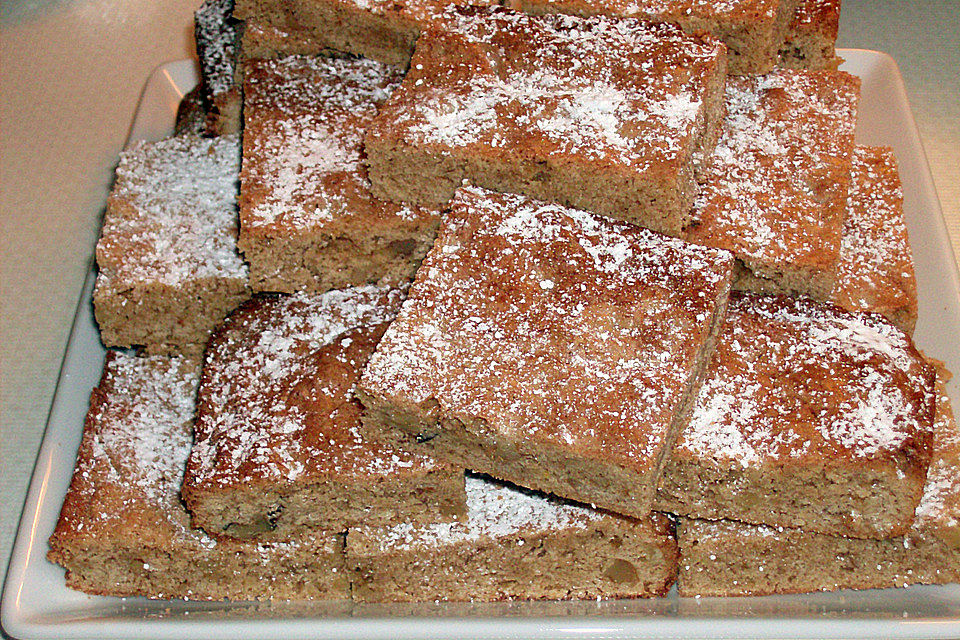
436 300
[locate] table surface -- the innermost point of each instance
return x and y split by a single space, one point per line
70 75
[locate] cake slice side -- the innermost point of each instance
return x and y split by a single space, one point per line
549 347
278 452
514 544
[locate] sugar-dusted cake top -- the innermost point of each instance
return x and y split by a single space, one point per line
553 325
816 16
937 514
172 215
303 155
494 510
276 400
796 381
136 440
876 267
775 193
621 92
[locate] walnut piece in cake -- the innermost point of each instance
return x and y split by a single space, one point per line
611 116
550 347
278 451
776 192
731 558
876 267
811 37
308 221
169 269
123 530
514 543
811 417
752 30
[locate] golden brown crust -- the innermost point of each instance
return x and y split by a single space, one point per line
752 30
615 117
810 417
730 558
382 30
123 530
168 264
307 218
514 543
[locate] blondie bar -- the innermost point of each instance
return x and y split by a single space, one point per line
550 347
752 30
217 35
876 267
383 30
514 543
277 449
308 221
123 530
810 417
611 116
776 192
811 38
169 269
732 558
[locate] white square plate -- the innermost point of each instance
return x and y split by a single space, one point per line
36 603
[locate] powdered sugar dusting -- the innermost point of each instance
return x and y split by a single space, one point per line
939 509
494 511
876 269
775 193
303 157
172 215
216 35
595 360
276 401
132 459
599 89
792 378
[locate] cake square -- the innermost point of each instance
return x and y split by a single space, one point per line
752 30
776 192
611 116
811 37
876 267
168 264
810 417
731 558
123 530
549 347
277 449
380 30
308 221
514 543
